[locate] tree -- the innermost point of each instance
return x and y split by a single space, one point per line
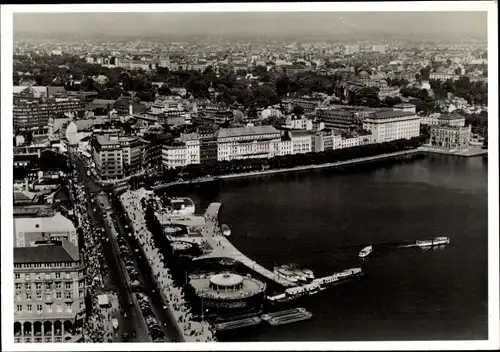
164 90
458 71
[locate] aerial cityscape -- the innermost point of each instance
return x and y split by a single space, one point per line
244 177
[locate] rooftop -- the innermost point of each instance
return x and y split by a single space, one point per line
390 114
246 131
50 253
53 224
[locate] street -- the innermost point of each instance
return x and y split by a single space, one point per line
134 320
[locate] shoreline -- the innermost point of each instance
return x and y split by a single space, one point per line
294 169
419 150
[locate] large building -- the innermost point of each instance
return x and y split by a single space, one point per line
116 157
450 138
301 141
388 126
444 120
248 142
49 277
345 118
181 152
217 115
326 140
49 291
351 49
34 114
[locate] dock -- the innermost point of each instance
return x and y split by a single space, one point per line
238 324
222 248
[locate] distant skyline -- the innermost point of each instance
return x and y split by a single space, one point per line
429 25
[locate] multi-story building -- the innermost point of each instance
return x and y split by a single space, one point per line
306 105
290 70
49 291
153 150
116 157
217 115
181 152
299 123
356 140
450 137
443 120
343 119
326 140
392 125
248 142
301 141
208 146
33 114
49 277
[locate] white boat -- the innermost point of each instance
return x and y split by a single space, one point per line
434 242
306 273
365 251
285 274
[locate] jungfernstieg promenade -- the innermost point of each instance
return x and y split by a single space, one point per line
192 331
222 248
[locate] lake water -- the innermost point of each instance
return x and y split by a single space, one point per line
320 220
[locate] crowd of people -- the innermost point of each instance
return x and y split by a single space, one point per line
192 331
95 328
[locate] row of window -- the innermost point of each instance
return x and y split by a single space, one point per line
49 285
48 296
45 265
48 308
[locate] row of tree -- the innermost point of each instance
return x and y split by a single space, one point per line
220 168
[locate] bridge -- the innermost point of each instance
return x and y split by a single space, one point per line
222 248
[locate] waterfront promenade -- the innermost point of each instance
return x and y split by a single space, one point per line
190 330
293 169
222 248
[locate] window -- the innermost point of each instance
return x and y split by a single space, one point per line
68 295
28 286
39 308
28 296
49 308
68 307
19 308
80 293
59 308
17 276
58 285
18 286
58 275
28 308
38 286
68 285
48 285
58 295
38 295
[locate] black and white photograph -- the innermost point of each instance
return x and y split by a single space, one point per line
298 175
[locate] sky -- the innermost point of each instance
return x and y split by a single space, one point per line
425 24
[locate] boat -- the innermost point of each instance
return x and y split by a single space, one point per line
308 274
226 231
434 242
339 277
286 274
298 273
290 319
237 324
365 251
282 313
295 292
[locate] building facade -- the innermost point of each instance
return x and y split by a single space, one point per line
326 140
181 152
248 142
388 126
450 138
34 114
116 157
301 141
49 291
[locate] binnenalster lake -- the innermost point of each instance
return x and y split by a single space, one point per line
321 219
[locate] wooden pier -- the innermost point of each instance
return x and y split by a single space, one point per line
222 248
